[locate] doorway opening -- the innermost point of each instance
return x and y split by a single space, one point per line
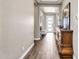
48 17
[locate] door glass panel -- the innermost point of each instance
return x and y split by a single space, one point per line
50 22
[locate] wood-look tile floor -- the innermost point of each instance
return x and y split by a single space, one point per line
45 48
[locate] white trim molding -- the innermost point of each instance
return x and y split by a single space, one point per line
37 39
22 57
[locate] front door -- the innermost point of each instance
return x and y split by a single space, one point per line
50 23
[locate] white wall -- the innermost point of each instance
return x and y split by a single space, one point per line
42 21
17 26
44 24
2 55
0 22
74 23
36 23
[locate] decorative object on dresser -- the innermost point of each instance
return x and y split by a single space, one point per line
64 43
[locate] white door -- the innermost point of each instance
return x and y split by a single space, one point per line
50 23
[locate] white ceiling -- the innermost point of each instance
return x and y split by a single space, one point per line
50 9
49 0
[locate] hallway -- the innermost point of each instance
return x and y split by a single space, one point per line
45 49
23 22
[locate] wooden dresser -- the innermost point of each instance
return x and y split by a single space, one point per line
64 43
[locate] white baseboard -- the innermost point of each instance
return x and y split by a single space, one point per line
37 39
27 51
